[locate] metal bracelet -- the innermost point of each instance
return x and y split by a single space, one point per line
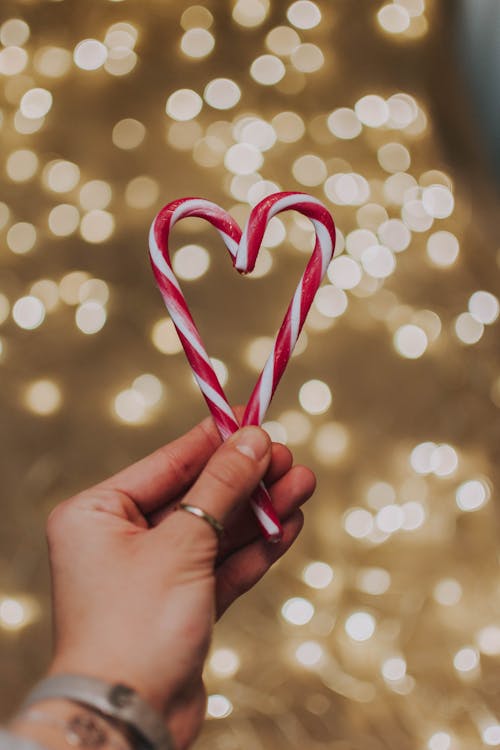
80 730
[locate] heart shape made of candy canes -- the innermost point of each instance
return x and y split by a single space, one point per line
244 248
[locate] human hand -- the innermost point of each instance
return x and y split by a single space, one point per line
137 586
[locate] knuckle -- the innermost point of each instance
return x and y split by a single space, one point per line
226 472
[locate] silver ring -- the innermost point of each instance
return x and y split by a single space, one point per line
200 513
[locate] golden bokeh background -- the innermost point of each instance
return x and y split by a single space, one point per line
381 629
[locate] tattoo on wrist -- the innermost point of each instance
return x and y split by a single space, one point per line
82 729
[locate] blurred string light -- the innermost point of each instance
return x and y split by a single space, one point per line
43 397
245 127
136 404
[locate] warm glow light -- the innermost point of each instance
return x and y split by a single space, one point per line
297 611
53 62
191 262
70 284
282 40
197 43
394 668
360 626
13 60
372 111
331 301
128 133
315 397
304 14
318 575
472 495
14 31
47 291
393 18
447 592
250 13
466 659
43 397
307 58
13 614
415 216
394 157
344 123
141 192
149 387
344 272
224 662
309 170
267 70
438 201
289 126
21 237
130 406
378 261
183 105
243 158
374 581
222 93
331 442
358 522
309 653
410 341
257 352
21 165
61 176
484 307
468 328
63 219
259 133
97 226
298 427
196 16
90 316
90 54
165 338
394 234
28 312
95 194
218 706
439 741
491 735
276 431
35 103
488 640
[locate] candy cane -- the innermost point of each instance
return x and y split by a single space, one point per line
244 248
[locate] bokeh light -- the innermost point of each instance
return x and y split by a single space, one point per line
390 396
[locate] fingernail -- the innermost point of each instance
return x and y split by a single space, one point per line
252 442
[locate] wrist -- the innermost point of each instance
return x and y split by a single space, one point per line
118 701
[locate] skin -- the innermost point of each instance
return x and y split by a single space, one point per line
138 586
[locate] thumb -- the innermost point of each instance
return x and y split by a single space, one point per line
230 476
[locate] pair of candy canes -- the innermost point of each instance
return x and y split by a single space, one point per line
244 248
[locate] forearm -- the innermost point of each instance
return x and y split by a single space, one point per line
61 724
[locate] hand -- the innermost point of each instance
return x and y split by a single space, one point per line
137 585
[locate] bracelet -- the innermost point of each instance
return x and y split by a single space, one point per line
79 730
114 700
11 741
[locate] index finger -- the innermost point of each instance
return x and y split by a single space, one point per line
171 469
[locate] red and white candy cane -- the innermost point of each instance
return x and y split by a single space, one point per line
244 248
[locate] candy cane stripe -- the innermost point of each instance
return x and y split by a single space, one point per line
243 248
